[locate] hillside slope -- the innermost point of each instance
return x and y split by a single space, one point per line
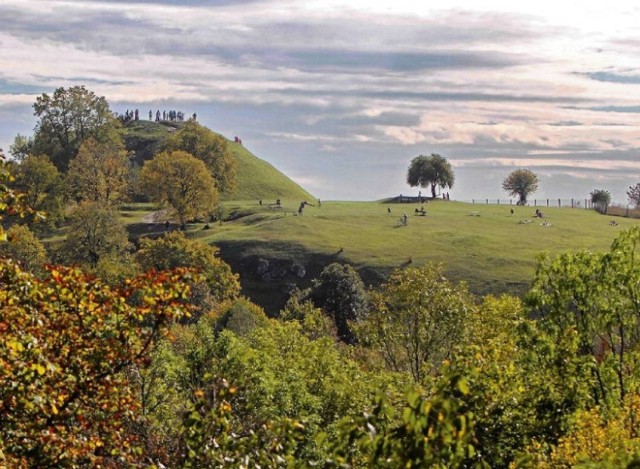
256 179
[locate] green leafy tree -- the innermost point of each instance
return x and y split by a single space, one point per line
41 185
23 247
433 430
432 170
174 249
21 147
66 119
340 293
181 181
11 201
100 172
634 194
213 149
67 341
521 183
601 199
280 377
417 319
95 233
594 297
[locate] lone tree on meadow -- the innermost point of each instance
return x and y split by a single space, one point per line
601 199
521 182
634 194
432 170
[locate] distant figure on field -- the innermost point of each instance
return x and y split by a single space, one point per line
389 210
613 223
195 116
319 203
150 115
158 115
260 201
405 219
278 202
448 196
511 211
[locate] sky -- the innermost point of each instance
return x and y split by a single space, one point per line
341 95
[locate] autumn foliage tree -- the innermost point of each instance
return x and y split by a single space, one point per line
209 147
99 172
67 341
181 181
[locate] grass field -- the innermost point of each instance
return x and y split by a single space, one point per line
483 245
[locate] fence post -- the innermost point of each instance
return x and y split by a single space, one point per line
473 201
627 215
535 202
510 201
547 202
571 202
559 203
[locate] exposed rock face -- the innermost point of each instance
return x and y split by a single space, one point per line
298 270
262 266
269 270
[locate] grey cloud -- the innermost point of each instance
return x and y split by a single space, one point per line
357 44
565 124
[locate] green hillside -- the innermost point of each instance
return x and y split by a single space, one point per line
256 179
483 245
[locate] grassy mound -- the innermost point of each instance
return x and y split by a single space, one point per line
256 179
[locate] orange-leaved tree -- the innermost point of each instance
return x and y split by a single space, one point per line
67 341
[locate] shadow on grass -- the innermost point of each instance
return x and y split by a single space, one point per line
270 270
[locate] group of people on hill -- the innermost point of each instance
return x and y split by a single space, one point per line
237 140
171 116
129 115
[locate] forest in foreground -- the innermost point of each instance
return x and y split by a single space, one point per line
147 354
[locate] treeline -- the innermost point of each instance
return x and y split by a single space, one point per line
76 169
150 356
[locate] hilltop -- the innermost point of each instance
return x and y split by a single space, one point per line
256 179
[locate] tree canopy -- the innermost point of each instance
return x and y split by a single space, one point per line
210 147
341 294
521 183
601 199
100 172
66 119
67 341
634 194
182 181
432 170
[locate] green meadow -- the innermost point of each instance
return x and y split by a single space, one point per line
486 246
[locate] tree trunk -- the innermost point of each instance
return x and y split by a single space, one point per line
433 190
